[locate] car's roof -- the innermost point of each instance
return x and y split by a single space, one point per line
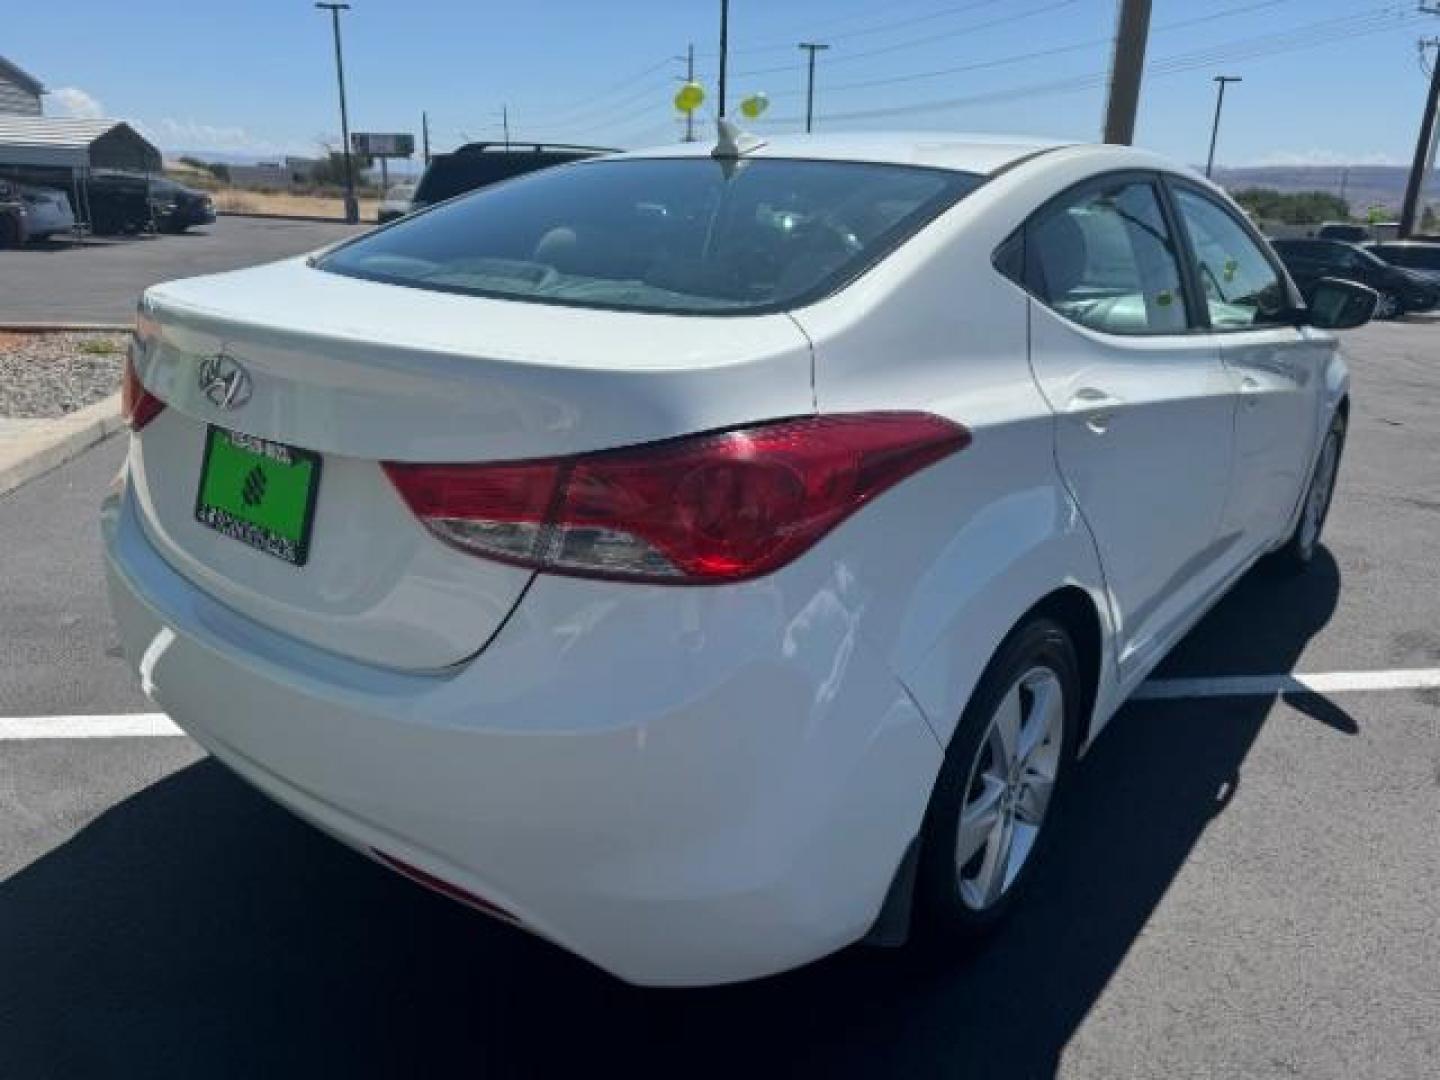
982 154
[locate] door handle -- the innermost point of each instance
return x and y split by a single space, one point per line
1250 391
1096 406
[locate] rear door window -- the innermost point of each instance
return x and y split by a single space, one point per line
1105 258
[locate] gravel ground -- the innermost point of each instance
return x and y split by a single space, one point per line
45 375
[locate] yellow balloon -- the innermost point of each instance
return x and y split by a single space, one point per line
754 105
689 97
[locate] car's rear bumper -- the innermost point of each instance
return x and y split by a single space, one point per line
710 790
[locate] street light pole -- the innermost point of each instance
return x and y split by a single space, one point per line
1220 80
812 47
352 206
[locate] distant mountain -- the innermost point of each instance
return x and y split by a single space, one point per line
1363 185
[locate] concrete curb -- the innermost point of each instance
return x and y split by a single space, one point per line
65 327
27 454
288 217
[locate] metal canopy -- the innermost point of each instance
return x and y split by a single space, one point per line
75 144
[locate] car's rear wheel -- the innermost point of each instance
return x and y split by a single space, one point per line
1299 551
1389 306
996 799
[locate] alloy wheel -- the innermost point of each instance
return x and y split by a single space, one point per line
1010 785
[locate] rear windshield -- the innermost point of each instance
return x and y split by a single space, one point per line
454 174
683 235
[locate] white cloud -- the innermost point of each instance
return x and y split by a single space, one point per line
1325 157
171 134
71 101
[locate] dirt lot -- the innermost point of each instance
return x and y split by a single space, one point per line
235 201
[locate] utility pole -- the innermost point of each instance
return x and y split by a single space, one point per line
1220 81
1344 182
1126 70
505 123
352 206
812 47
724 52
425 135
1420 167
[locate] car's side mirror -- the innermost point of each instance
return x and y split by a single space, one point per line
1341 305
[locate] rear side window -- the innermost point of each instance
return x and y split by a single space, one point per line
1105 259
683 235
1418 258
1242 288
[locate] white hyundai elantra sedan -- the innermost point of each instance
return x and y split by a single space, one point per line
706 562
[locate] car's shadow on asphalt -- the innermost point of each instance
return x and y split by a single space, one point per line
195 930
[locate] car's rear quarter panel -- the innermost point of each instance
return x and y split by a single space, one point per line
962 551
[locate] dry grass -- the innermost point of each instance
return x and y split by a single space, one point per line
289 204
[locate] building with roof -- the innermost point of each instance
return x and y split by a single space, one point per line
19 90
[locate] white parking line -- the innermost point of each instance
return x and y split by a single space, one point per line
133 725
158 725
1333 682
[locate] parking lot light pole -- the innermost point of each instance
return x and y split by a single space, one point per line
812 47
352 205
1220 80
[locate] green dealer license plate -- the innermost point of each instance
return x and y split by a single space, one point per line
258 492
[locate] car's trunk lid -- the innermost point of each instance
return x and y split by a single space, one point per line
360 373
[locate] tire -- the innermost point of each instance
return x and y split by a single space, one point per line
1299 551
9 231
1389 306
960 898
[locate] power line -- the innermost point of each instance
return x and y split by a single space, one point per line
1374 20
1036 54
865 54
1248 48
884 27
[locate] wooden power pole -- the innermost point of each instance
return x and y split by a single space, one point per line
1126 70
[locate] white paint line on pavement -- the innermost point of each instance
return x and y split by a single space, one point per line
158 725
134 725
1333 682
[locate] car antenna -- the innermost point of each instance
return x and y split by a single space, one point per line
733 142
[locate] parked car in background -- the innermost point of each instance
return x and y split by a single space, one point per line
175 207
706 564
48 210
397 202
477 165
1400 291
1420 257
13 216
1348 231
119 204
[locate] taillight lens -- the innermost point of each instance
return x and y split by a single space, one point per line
701 510
138 406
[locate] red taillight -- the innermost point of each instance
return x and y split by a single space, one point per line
138 406
701 510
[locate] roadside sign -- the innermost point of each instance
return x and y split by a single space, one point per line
382 144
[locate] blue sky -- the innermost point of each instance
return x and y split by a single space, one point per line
1326 81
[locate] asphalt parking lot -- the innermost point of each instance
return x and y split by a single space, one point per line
1246 885
98 279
